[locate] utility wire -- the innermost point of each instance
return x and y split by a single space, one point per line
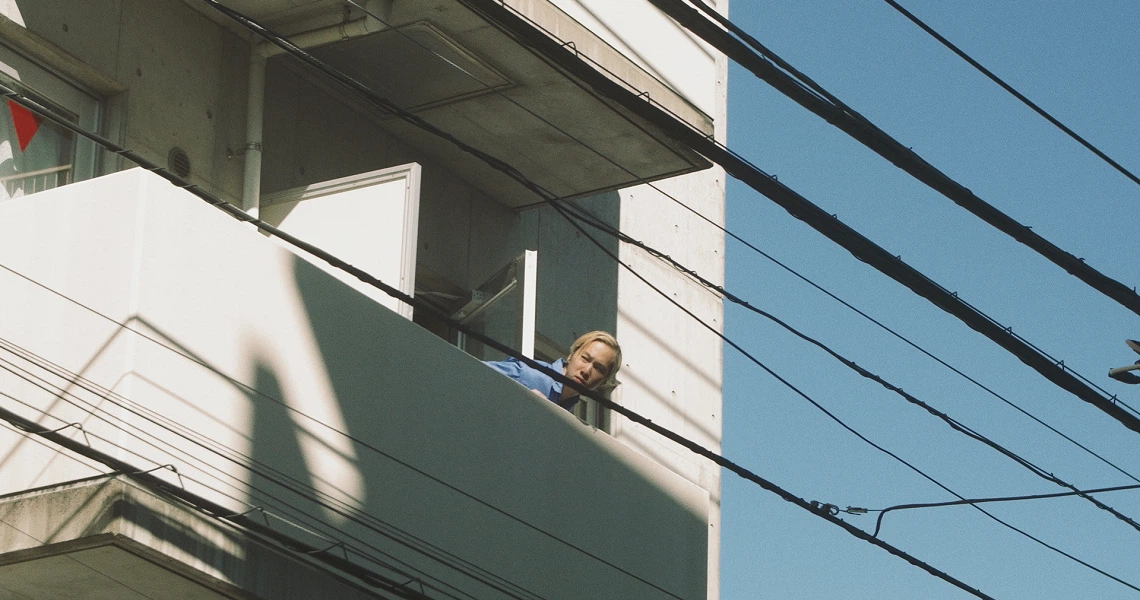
147 479
798 206
903 338
825 508
419 304
413 119
823 93
753 56
547 49
425 306
286 48
954 424
883 511
256 467
1016 94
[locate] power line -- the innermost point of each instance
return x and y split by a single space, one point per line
825 508
753 56
883 511
368 93
530 184
545 48
1016 94
799 207
903 338
254 466
587 395
363 443
148 480
422 305
863 372
492 89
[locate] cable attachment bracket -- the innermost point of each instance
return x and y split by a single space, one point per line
828 510
76 425
256 509
171 468
335 544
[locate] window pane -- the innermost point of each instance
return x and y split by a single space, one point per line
35 155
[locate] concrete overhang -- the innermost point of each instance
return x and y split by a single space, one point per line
470 77
108 539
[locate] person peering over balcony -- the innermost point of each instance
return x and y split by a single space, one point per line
594 362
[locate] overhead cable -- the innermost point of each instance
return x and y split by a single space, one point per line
861 247
755 58
257 468
904 339
850 364
826 509
420 304
883 511
210 508
1016 94
510 99
549 50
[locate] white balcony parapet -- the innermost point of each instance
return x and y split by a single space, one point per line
179 336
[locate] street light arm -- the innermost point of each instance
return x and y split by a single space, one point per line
1124 373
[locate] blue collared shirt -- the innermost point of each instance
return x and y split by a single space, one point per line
533 379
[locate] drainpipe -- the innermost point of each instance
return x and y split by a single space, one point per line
255 111
255 117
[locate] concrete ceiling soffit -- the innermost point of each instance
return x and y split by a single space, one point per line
490 89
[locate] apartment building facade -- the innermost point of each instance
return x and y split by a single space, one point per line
248 421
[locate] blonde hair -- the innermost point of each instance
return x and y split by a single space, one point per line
610 382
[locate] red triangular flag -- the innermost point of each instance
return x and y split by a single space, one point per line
27 124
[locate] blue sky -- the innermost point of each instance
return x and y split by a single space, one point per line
1078 61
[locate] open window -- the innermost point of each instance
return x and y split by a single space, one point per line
502 308
370 220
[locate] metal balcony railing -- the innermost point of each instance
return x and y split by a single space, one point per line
37 181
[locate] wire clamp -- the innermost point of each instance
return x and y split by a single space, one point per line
256 509
76 425
337 544
415 580
170 468
828 510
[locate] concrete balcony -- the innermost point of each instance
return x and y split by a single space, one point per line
176 336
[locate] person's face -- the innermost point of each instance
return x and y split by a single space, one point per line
591 364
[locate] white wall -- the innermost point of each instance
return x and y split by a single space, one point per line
279 379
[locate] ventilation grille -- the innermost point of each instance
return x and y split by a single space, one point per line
178 162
